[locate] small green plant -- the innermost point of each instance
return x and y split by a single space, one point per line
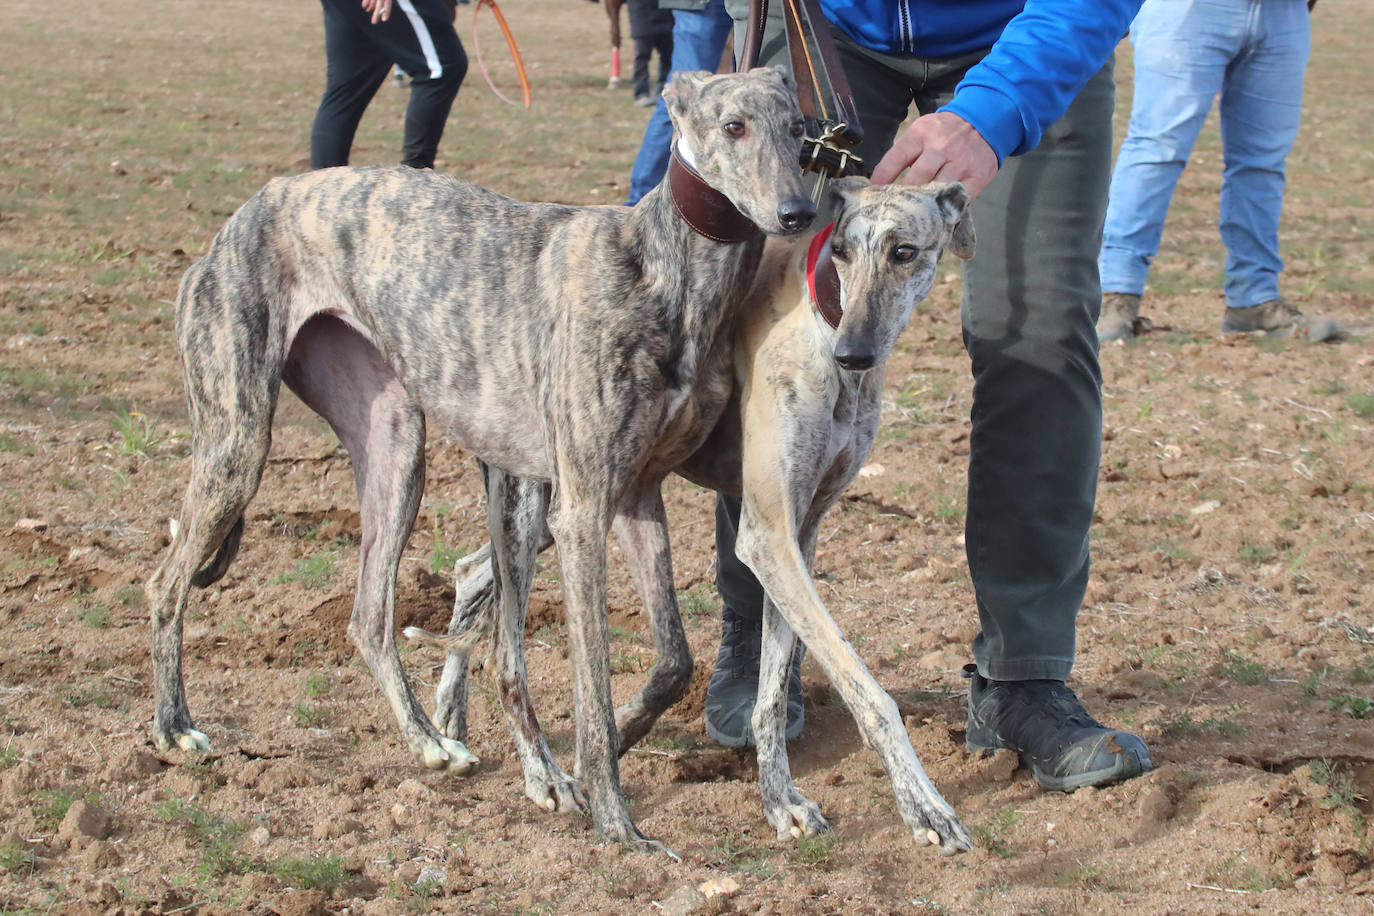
215 835
1242 670
131 596
312 873
139 433
814 850
1362 405
1183 725
53 804
85 693
733 854
442 554
1362 675
16 858
423 893
318 684
1356 707
97 616
1312 683
311 715
695 601
992 833
315 571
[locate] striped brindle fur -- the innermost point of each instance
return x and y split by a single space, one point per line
587 346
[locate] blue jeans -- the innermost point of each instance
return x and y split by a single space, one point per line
698 42
1254 54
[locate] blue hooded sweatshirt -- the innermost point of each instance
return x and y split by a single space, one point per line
1042 53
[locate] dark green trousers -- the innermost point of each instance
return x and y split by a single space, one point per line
1029 314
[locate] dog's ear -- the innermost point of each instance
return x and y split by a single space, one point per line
682 88
843 190
953 202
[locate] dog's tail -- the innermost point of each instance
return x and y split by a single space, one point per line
473 608
459 642
213 571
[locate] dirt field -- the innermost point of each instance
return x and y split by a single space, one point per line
1229 620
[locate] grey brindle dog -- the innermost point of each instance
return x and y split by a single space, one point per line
809 357
587 346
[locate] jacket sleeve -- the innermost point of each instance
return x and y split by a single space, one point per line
1031 75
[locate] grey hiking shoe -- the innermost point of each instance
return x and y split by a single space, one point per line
1120 315
1279 318
735 683
1043 721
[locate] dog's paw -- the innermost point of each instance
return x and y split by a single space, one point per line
558 793
944 830
795 817
450 755
187 740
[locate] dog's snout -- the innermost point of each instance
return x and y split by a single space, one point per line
855 358
796 214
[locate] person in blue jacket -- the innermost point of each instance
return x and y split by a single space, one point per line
1015 100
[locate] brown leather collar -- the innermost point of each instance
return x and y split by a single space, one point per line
705 209
822 279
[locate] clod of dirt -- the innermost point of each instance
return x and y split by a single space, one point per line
685 901
85 819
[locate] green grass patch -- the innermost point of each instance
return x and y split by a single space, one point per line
140 434
315 571
312 873
1238 668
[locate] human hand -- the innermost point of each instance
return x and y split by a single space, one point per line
939 147
380 10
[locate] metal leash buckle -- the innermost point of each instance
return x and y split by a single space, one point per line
829 155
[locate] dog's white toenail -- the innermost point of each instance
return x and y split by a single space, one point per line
551 804
933 838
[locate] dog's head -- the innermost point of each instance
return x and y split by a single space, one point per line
743 134
885 245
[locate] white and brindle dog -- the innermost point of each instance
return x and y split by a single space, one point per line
587 346
810 351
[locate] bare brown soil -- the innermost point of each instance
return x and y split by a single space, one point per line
1229 617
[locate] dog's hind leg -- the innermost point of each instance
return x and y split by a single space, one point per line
516 510
225 470
231 421
472 610
344 378
642 529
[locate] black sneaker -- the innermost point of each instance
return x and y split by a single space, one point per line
735 683
1065 748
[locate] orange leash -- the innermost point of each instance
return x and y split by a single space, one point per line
514 54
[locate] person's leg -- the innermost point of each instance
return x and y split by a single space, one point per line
420 37
1261 107
1030 306
644 49
354 69
664 43
698 43
1182 50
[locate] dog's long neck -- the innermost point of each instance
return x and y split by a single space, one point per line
697 281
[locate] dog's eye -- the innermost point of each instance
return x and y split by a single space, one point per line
733 129
839 252
903 253
798 128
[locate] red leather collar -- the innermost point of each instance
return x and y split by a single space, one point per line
822 279
705 209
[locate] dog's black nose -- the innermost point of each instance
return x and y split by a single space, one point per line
796 215
855 359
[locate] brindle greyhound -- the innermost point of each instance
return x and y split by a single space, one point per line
809 356
587 346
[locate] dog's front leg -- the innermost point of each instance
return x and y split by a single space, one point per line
642 528
791 813
580 526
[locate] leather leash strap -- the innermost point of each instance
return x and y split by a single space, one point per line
832 133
